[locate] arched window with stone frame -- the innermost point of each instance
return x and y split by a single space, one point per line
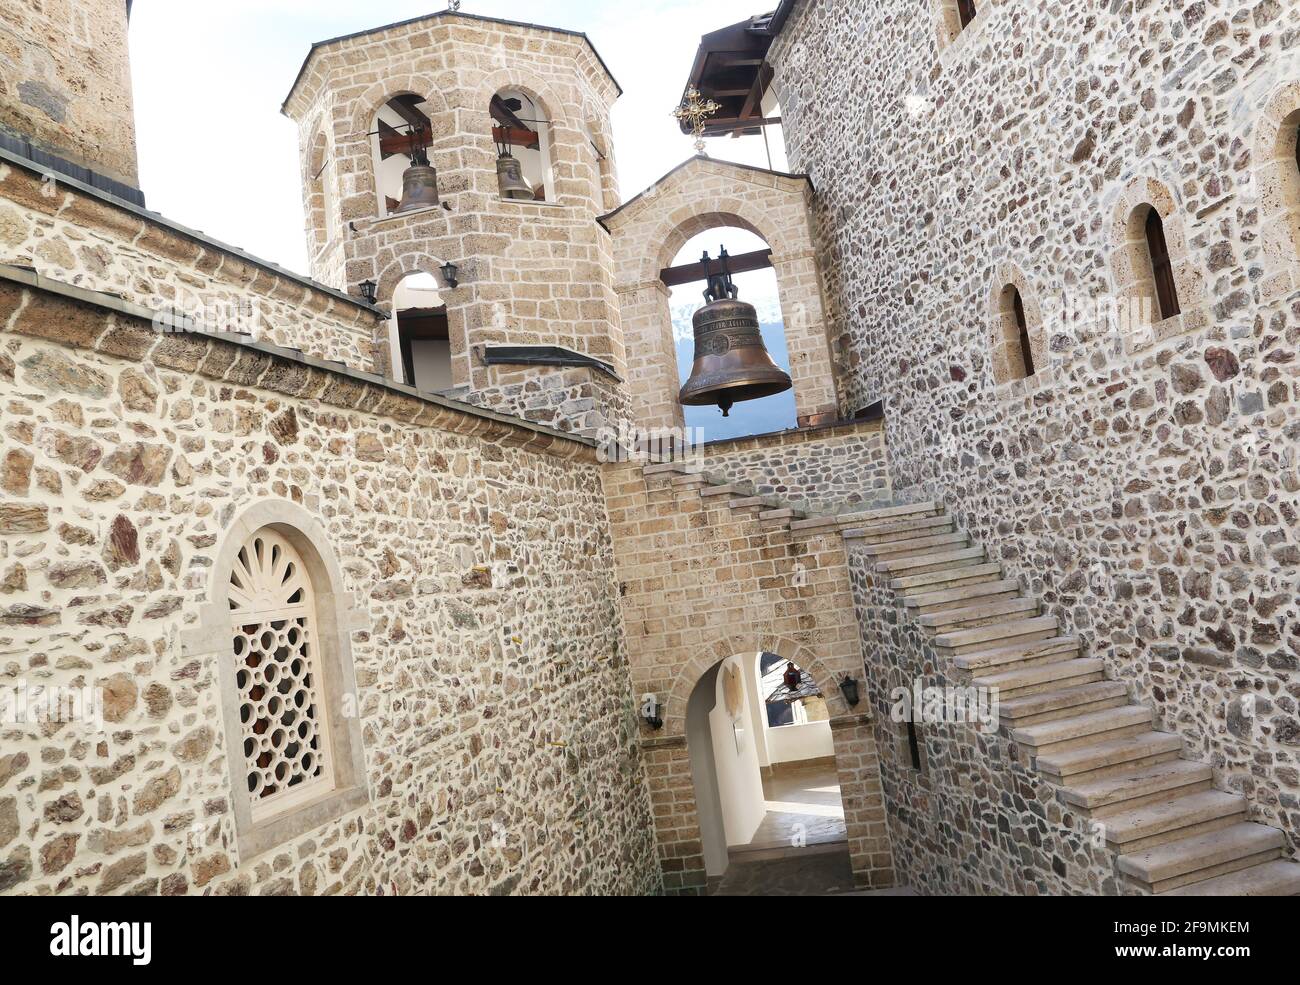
1276 177
1160 290
1016 336
952 17
278 627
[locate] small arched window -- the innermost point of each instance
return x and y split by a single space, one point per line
1162 271
522 136
274 626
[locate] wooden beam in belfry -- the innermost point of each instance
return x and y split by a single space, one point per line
690 273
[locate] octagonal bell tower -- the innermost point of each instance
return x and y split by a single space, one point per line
501 290
65 90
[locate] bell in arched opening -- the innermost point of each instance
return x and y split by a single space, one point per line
732 364
420 180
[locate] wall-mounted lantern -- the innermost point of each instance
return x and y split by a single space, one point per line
449 274
368 291
849 687
652 711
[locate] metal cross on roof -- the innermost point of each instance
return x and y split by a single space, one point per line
695 109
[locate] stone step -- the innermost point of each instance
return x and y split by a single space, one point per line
747 502
918 545
1049 706
993 610
987 637
1109 756
660 468
689 479
780 514
1133 786
1168 820
1022 653
728 489
1278 878
886 514
1080 730
1032 679
953 577
908 529
921 563
814 523
959 597
1191 860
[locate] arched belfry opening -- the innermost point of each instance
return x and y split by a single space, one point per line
763 765
522 135
400 140
746 259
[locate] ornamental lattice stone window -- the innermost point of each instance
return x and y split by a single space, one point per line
277 675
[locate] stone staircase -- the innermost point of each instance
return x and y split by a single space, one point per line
1171 832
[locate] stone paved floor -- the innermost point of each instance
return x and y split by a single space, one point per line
803 802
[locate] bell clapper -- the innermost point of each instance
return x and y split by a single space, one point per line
725 405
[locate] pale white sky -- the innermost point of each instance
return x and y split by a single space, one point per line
209 79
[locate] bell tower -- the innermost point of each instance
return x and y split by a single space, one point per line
455 166
65 89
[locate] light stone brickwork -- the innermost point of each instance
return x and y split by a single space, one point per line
1143 488
650 230
65 82
497 730
833 468
530 273
77 237
700 581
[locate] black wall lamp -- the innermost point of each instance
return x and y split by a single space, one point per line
849 687
449 272
652 711
368 289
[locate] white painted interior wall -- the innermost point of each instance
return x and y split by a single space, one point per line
735 758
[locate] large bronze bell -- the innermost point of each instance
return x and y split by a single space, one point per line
732 364
419 188
510 179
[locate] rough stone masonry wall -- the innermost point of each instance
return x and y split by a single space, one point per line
831 469
498 728
699 583
1146 492
78 238
65 81
530 273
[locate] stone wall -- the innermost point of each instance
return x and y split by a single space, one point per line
77 237
700 582
498 729
831 468
530 273
1141 483
65 82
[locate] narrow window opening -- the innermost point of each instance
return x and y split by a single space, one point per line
1022 327
523 142
913 745
966 11
1161 268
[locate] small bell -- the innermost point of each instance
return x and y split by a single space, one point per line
510 179
420 180
732 364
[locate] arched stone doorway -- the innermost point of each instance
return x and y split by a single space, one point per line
689 815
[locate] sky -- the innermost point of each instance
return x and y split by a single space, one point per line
209 79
